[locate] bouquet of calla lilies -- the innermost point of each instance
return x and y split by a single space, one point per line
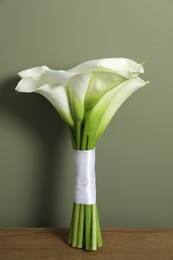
86 97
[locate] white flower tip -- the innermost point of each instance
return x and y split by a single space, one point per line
21 88
141 68
145 61
33 72
16 88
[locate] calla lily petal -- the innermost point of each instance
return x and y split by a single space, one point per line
77 87
60 76
57 96
39 76
33 72
33 78
105 109
29 84
102 81
39 80
121 65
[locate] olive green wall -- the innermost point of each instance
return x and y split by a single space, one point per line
135 155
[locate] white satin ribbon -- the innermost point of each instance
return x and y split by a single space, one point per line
85 181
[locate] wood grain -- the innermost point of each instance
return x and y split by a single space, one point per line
119 244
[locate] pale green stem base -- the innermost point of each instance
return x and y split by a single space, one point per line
85 229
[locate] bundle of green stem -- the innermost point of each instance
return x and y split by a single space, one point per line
85 231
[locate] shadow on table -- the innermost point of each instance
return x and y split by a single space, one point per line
62 234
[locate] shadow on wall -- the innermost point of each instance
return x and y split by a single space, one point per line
41 117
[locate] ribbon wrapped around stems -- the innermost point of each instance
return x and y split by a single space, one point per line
85 180
85 227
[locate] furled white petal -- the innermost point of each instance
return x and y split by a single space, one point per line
29 84
102 81
58 97
105 109
38 76
51 85
34 78
121 65
60 76
34 72
77 87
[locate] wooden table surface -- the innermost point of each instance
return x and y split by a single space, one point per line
119 244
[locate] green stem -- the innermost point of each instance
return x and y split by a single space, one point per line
85 131
78 135
81 227
71 228
99 234
75 225
91 142
85 229
73 139
94 227
88 212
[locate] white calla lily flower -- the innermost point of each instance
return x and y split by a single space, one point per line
52 85
105 109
